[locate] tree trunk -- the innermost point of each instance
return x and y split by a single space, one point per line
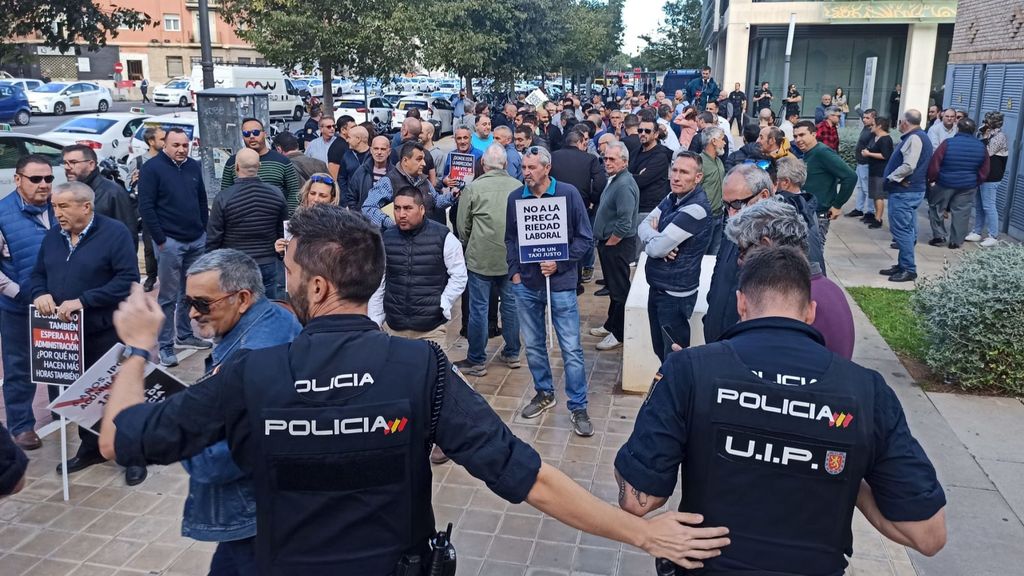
327 97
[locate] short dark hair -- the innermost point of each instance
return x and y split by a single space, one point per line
414 113
809 124
31 159
175 130
251 119
87 152
883 123
480 108
286 141
371 130
751 132
631 121
524 131
344 120
967 126
773 273
530 118
706 68
707 118
664 110
587 125
412 192
409 147
869 111
574 137
149 134
690 156
647 115
340 245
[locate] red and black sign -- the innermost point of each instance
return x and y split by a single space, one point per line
57 354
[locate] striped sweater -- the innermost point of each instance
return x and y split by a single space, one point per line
275 169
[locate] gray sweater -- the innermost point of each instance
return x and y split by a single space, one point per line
617 212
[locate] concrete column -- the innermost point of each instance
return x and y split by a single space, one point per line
917 67
737 44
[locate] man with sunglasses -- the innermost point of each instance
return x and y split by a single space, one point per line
87 264
249 216
112 200
649 167
275 168
318 147
25 217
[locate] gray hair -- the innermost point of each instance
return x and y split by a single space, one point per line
502 130
710 133
791 169
237 270
80 191
773 220
623 151
494 157
833 110
539 152
913 117
754 178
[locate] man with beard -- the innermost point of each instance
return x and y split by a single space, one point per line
649 167
275 168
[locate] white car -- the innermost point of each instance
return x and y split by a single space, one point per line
60 97
394 97
187 121
109 134
177 92
380 110
25 84
14 145
437 111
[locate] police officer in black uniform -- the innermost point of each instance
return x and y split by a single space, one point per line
336 427
779 439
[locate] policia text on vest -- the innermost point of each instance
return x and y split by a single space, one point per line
331 502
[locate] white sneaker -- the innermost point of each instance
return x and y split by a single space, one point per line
600 332
989 242
972 237
610 342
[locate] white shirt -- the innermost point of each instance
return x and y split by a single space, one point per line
724 125
318 148
671 141
938 133
787 129
454 262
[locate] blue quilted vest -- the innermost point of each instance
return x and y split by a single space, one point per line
23 234
916 181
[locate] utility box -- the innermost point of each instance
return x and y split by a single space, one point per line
221 111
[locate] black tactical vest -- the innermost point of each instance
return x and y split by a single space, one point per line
416 277
340 421
779 464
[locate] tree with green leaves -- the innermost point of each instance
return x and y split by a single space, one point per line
593 38
677 43
64 23
369 39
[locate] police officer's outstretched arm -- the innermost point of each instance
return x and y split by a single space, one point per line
925 536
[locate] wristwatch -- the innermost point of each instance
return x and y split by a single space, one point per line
130 351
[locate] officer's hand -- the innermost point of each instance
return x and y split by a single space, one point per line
672 535
46 305
138 319
548 268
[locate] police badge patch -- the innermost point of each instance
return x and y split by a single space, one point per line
650 391
835 462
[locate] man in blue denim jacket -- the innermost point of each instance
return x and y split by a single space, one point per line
224 293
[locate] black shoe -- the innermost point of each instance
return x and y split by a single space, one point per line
854 214
894 246
903 276
936 241
541 403
890 271
601 282
602 292
134 475
579 289
149 284
493 331
462 332
953 246
867 217
875 223
81 462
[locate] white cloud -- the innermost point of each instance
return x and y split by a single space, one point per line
639 17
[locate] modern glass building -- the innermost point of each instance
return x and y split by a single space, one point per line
833 41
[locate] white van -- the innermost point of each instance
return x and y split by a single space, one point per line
285 101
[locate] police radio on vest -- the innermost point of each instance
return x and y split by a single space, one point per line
339 381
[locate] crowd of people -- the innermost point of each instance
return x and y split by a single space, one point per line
368 234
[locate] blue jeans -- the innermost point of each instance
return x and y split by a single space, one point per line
986 214
591 255
235 558
842 119
864 202
172 262
19 391
269 273
903 225
565 314
672 312
479 306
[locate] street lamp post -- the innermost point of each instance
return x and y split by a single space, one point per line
204 41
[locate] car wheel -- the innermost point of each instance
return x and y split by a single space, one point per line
104 106
183 102
59 109
297 115
22 118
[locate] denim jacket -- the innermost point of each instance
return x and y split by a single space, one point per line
221 502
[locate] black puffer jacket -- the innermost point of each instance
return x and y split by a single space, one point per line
248 216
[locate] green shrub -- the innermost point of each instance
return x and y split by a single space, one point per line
973 318
848 142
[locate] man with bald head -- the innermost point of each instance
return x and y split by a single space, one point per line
513 159
369 172
357 153
411 130
249 216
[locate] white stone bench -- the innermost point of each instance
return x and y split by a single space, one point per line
639 363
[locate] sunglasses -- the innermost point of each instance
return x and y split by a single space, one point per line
203 306
326 126
248 133
38 179
740 204
322 179
533 150
645 130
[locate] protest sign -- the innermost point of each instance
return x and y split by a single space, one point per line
543 229
462 167
57 354
84 400
536 98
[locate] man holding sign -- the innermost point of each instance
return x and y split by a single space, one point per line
547 231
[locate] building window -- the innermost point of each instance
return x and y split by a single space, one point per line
175 67
261 61
244 60
172 23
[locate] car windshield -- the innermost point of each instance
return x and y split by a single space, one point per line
165 126
351 104
412 104
86 126
51 87
178 85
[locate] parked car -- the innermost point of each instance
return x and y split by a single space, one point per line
380 110
177 92
437 111
25 84
14 145
14 106
60 97
187 121
394 97
109 134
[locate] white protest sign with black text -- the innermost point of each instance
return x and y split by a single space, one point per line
543 229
